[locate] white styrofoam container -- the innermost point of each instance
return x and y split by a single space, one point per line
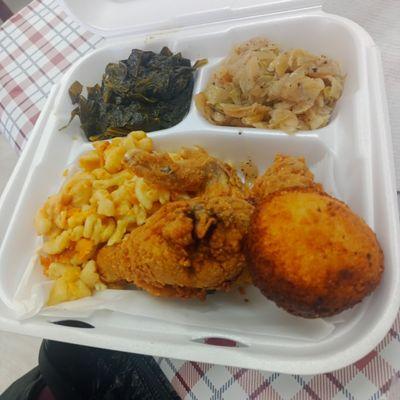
352 157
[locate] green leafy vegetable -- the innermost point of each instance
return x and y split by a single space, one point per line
148 91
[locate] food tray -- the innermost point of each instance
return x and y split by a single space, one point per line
351 157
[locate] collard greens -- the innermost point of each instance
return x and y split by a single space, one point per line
148 91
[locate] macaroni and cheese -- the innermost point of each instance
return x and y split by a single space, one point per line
96 206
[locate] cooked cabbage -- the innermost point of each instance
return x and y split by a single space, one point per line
260 86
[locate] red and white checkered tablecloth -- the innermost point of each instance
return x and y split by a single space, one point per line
37 45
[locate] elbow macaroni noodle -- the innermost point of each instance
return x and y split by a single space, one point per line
97 206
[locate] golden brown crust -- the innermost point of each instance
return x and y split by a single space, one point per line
285 172
185 249
310 254
196 172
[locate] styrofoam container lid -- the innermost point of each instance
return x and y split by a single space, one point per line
119 17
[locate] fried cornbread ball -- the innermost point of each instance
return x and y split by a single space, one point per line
310 254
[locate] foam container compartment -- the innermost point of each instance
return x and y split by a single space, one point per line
351 157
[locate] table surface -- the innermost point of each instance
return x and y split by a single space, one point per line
38 44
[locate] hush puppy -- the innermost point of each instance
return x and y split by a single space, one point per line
310 254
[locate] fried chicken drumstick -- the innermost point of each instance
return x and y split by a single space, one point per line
188 247
185 249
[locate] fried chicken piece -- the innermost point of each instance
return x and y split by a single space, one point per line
310 254
185 249
284 173
194 172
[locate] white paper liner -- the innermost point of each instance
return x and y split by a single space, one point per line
221 311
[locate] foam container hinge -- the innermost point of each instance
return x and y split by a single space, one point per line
351 157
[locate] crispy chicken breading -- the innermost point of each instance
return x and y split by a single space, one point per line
284 173
194 171
185 249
